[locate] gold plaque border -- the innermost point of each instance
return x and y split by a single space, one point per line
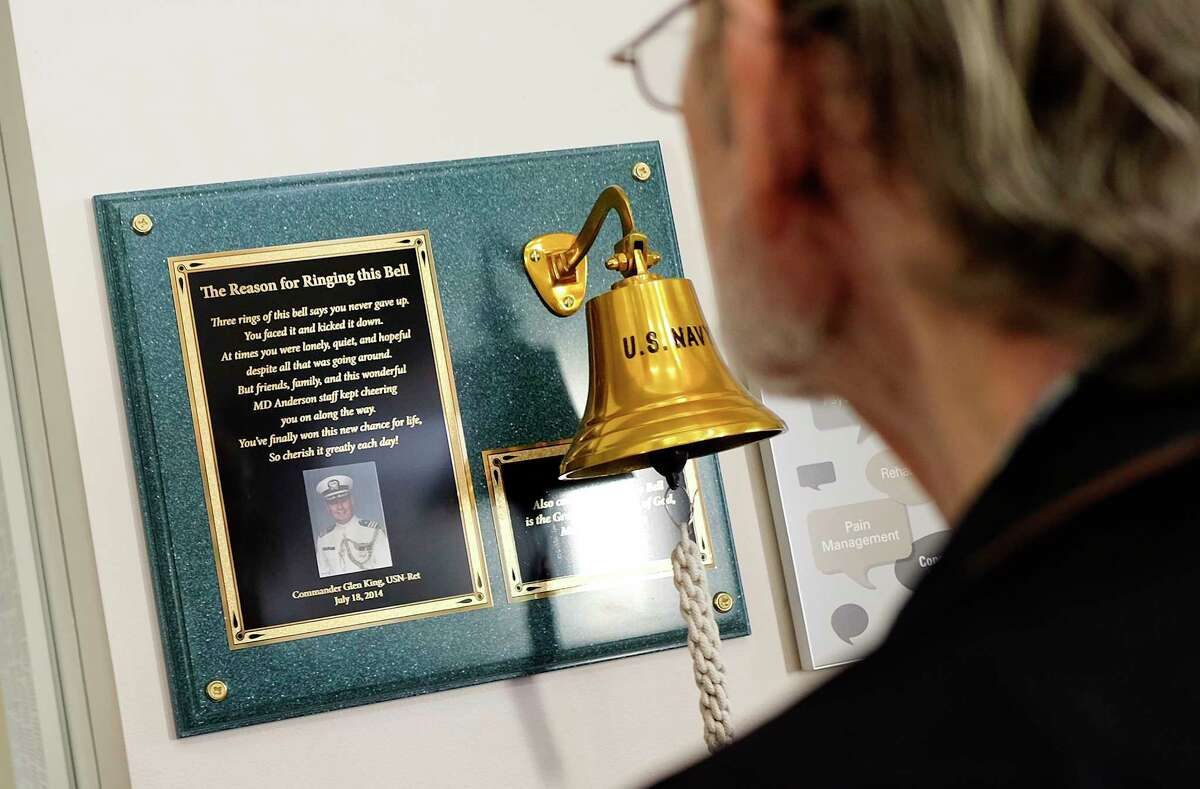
520 590
238 636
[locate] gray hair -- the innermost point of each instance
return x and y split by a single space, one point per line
1060 139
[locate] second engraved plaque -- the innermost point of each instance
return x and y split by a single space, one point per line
327 423
566 536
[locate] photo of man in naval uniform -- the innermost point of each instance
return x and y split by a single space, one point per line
348 544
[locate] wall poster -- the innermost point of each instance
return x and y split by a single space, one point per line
855 528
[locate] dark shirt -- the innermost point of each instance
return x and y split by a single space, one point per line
1048 646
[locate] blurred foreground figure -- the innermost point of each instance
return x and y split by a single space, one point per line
979 222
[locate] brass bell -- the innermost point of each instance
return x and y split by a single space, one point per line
659 392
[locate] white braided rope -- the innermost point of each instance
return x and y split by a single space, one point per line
704 639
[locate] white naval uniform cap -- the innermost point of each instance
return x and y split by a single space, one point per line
335 487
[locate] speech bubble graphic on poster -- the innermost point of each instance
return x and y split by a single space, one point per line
814 475
853 538
888 475
833 414
849 621
925 554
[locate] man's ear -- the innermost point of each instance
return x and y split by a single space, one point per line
803 141
841 116
801 123
768 115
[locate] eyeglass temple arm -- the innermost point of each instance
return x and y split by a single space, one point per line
626 53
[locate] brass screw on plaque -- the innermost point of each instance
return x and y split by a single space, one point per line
723 602
535 255
641 171
217 690
142 224
569 302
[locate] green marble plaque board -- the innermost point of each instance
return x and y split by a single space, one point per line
316 370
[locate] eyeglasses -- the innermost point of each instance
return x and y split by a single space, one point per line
659 56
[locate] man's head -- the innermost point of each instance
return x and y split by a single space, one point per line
1031 164
337 491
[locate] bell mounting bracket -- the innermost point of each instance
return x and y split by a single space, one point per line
557 262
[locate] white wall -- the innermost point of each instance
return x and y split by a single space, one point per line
122 95
6 762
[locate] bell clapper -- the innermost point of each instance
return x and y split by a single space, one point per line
670 463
